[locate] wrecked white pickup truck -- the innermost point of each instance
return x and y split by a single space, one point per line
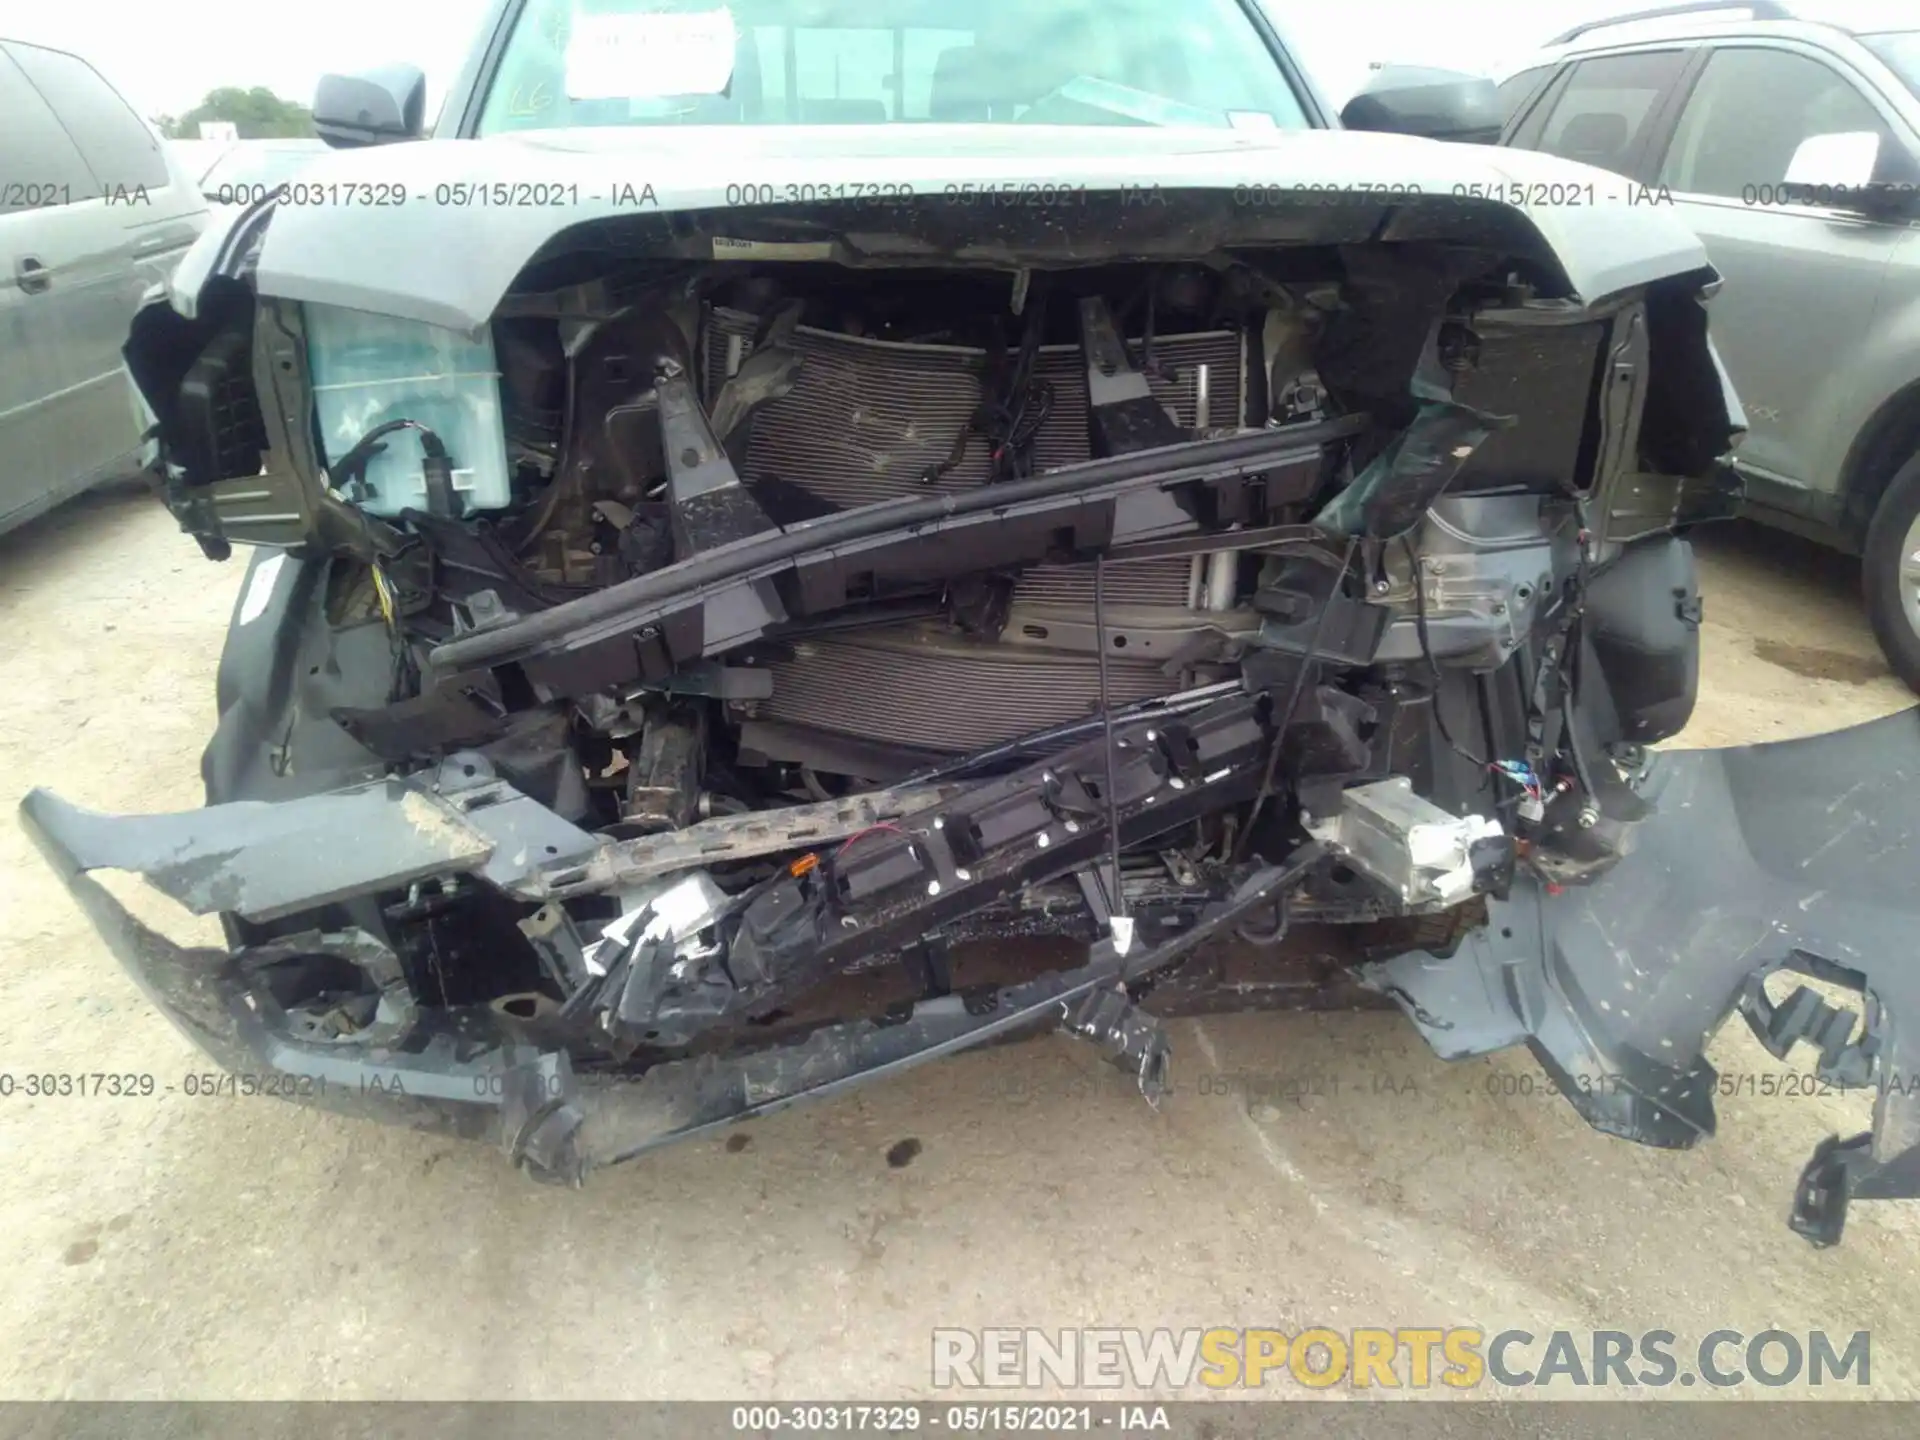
754 592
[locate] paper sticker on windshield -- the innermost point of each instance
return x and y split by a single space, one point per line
618 57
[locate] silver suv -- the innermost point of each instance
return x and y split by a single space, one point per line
1792 147
93 213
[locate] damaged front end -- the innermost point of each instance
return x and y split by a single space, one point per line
725 668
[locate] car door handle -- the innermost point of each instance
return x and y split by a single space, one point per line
31 276
155 244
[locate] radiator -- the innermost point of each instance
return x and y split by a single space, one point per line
865 420
868 418
928 688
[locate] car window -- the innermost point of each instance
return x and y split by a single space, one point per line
1750 112
1518 89
576 63
39 166
120 150
1901 52
1607 106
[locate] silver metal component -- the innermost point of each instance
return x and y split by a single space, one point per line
1152 637
736 352
1223 573
1589 817
1178 867
1196 581
556 939
933 887
1072 828
1486 573
1203 398
676 910
1408 844
626 864
962 875
1910 575
1111 378
1045 840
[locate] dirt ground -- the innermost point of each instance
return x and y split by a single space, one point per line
243 1248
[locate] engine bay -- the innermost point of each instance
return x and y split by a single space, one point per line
744 677
1029 531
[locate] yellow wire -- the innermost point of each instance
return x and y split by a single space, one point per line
385 597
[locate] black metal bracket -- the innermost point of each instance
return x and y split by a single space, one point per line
711 507
193 507
1122 415
1126 1035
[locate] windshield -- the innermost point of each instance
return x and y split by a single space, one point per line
1901 52
872 62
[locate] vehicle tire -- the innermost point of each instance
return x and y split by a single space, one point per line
1890 573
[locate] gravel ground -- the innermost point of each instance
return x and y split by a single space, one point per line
221 1248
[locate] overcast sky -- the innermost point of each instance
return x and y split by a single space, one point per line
164 56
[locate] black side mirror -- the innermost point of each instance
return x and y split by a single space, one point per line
1894 194
1434 104
376 107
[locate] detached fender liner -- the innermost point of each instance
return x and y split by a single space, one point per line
1798 856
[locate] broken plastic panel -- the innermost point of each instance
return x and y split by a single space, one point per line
1388 498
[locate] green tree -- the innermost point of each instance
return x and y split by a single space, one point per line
258 113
